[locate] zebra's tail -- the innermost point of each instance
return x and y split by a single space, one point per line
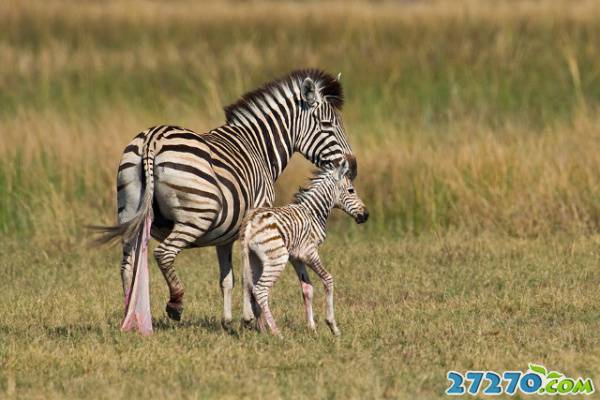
131 229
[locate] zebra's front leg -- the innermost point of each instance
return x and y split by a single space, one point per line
307 291
226 281
314 261
165 255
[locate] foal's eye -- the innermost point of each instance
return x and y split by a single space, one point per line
326 124
351 190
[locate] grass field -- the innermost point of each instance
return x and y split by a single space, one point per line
476 130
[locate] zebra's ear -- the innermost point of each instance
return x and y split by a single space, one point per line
338 77
309 91
342 169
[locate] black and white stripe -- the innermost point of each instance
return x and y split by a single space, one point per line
200 186
270 236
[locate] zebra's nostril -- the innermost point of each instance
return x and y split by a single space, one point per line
360 218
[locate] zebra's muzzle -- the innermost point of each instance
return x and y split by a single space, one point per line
361 218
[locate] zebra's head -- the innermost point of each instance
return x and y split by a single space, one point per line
321 136
346 197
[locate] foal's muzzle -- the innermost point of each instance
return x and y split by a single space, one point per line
363 217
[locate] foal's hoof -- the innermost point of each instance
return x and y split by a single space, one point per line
278 335
334 329
174 311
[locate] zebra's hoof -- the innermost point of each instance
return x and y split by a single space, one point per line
174 312
226 325
249 323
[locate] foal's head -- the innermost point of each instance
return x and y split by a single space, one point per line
345 194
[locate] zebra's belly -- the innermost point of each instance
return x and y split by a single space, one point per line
218 236
228 222
162 227
224 220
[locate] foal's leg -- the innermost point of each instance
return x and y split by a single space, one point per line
226 281
314 262
307 291
273 261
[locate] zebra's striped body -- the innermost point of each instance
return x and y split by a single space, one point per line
200 186
273 235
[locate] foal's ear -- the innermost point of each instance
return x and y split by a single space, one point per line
308 91
352 167
342 169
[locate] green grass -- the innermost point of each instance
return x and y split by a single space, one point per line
409 310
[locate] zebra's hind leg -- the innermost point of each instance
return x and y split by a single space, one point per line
179 238
307 292
126 269
273 264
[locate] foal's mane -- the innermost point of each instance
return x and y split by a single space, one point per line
319 176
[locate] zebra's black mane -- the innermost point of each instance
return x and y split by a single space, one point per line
319 176
327 85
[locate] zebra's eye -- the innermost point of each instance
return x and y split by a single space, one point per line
351 190
326 124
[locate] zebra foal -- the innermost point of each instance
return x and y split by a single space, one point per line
270 236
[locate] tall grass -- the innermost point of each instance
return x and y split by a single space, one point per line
464 115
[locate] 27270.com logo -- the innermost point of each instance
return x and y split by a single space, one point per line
536 380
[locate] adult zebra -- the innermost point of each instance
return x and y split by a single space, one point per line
200 186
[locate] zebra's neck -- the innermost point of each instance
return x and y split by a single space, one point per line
268 124
318 200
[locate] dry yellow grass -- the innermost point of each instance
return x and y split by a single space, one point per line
503 180
468 114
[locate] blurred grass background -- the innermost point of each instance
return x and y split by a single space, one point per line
477 115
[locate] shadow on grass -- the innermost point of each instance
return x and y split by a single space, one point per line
72 330
208 324
57 332
205 323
